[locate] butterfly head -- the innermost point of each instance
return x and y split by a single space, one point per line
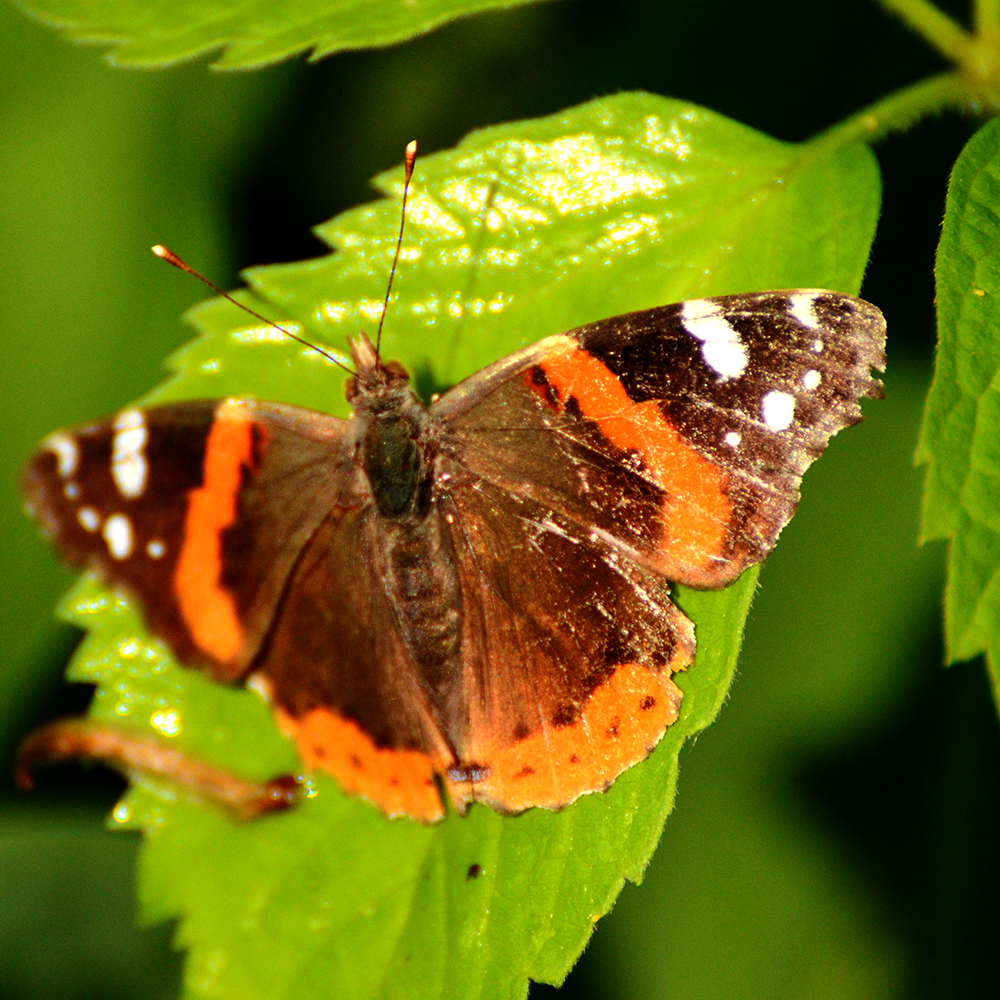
377 385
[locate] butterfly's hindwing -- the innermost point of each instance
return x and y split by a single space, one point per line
345 683
568 651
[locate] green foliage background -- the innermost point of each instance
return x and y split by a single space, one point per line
834 833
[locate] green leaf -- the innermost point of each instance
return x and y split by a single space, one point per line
251 34
960 438
521 231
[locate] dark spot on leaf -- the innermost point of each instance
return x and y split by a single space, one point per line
474 871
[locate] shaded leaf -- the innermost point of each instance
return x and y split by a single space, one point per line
67 924
251 34
960 438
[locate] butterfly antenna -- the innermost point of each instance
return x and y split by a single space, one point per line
171 258
409 158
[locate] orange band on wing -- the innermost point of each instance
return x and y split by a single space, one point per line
623 720
206 606
400 782
697 509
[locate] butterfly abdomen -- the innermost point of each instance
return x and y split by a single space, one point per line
421 581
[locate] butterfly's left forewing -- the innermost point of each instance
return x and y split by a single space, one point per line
682 432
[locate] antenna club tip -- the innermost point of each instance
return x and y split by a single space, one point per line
411 149
170 257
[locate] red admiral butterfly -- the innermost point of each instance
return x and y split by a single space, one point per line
468 598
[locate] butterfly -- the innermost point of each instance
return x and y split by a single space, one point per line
469 599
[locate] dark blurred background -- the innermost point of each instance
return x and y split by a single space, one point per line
835 831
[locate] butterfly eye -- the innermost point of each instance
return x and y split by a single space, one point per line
395 374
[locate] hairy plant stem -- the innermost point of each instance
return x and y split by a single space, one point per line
901 109
973 85
946 35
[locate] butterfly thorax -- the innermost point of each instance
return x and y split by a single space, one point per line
392 434
395 466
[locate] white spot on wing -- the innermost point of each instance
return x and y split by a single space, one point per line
71 491
88 518
803 307
118 536
722 349
817 346
778 408
67 453
811 379
128 460
155 549
733 438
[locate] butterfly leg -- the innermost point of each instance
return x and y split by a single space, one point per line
130 752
